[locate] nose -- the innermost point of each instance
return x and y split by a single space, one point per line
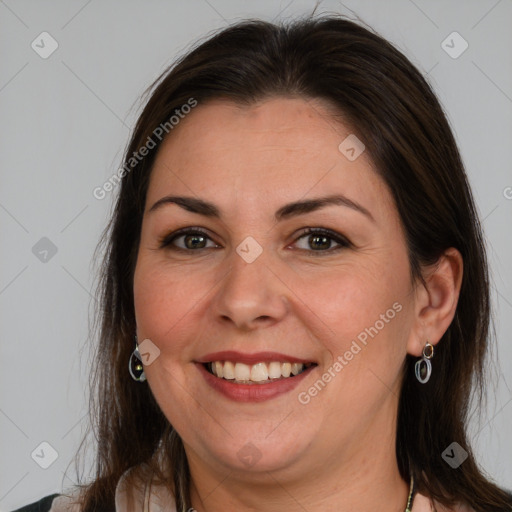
251 295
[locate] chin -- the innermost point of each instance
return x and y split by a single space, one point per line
257 453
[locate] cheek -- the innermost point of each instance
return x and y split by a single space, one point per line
163 302
164 306
364 316
352 299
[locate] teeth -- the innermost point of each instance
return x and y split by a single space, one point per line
218 369
297 368
228 372
242 371
286 369
274 370
260 372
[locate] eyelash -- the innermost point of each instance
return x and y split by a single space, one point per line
167 241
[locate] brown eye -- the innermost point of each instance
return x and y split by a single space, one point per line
187 240
194 241
317 242
321 241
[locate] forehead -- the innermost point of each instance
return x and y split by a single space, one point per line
280 148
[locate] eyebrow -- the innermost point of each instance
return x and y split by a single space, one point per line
287 211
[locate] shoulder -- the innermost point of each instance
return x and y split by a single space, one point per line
422 503
54 503
43 505
135 490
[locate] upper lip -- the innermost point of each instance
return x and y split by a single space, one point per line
250 359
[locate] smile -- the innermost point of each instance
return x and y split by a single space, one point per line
253 377
259 373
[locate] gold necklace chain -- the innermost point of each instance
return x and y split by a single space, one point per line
409 499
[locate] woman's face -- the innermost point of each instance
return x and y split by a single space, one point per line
255 294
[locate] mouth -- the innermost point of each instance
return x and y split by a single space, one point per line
260 373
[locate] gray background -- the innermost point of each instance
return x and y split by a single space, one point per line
64 124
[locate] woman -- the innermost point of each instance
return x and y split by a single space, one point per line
295 297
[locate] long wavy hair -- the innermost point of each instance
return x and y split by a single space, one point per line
389 105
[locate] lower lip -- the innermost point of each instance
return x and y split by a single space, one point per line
252 392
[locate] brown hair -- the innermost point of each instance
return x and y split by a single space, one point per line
392 109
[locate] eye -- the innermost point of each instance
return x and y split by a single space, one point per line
320 240
316 240
191 239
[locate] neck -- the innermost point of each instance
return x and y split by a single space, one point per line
359 495
360 476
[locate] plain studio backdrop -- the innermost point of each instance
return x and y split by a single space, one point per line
71 75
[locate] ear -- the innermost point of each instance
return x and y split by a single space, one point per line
436 302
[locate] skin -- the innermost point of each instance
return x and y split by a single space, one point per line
336 453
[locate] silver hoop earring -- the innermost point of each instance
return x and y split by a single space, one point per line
135 366
423 367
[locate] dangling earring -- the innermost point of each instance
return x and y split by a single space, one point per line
135 366
423 367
